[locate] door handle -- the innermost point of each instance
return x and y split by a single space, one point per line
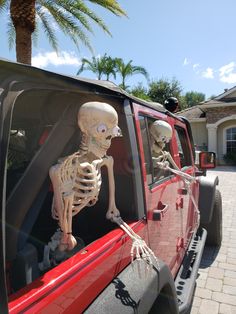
160 211
182 191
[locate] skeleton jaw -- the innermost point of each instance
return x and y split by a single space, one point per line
97 148
157 147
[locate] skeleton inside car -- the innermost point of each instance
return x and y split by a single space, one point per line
76 181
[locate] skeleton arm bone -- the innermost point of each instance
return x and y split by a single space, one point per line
112 209
139 248
163 162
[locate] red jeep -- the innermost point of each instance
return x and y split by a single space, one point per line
38 125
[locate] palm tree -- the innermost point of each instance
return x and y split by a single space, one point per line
72 17
126 70
103 65
95 65
109 67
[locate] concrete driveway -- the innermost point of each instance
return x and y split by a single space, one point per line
216 284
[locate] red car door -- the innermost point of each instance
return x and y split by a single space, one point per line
186 189
161 192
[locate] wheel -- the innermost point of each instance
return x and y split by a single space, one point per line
214 228
165 303
161 306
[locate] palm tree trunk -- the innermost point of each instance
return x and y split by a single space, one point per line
23 45
23 18
123 82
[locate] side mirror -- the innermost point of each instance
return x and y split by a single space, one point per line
207 160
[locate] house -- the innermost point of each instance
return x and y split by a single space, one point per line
213 124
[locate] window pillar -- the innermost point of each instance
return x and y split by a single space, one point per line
212 138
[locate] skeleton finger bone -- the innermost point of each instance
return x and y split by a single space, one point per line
139 248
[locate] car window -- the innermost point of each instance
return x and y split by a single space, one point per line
153 173
182 142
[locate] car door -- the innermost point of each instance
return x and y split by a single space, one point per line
187 190
161 191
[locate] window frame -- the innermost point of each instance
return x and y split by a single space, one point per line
184 147
225 144
154 182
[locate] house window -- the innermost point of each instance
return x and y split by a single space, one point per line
231 140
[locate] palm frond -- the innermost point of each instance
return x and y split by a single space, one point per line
35 34
81 7
11 34
111 5
49 31
4 5
141 70
84 67
78 15
67 24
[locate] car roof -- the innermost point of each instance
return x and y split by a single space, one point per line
25 70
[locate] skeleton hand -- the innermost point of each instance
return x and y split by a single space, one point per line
68 242
139 249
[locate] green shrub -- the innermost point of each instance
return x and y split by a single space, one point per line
230 159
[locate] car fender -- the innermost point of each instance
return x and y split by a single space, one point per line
135 290
207 188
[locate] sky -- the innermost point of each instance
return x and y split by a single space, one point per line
191 41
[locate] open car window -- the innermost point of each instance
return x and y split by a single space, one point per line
43 130
153 172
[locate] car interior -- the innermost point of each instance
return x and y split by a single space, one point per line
44 128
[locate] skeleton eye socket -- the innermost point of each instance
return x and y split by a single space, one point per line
102 128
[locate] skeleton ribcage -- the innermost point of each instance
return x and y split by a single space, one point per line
82 181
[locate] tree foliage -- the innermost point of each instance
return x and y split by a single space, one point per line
107 66
193 98
140 91
74 19
100 66
128 69
162 89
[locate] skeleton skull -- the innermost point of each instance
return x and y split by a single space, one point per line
99 123
161 133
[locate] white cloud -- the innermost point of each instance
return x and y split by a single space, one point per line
225 74
42 60
228 73
208 73
186 62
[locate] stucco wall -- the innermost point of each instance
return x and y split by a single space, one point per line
199 134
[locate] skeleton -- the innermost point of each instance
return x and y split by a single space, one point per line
161 133
77 180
